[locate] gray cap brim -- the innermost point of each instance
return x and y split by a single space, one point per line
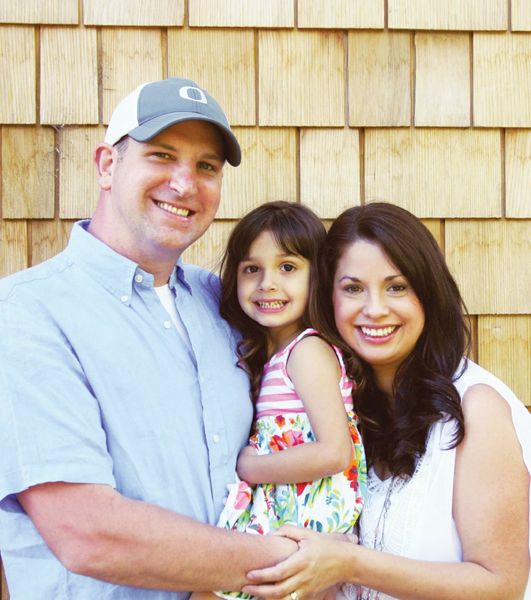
149 129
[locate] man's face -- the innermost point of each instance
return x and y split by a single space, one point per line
163 193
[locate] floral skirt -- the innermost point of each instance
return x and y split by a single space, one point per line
331 504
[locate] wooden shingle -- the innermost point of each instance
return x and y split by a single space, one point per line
441 173
223 63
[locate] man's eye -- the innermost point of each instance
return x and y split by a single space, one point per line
163 155
206 166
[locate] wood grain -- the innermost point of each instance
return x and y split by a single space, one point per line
223 63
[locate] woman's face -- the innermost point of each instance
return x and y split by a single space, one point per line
376 311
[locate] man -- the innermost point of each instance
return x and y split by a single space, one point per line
121 409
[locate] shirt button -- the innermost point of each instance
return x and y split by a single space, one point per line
215 438
124 298
167 324
139 278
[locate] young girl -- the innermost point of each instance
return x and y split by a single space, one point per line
305 464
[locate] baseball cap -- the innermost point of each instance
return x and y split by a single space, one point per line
156 105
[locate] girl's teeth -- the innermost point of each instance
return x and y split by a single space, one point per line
380 332
276 304
181 212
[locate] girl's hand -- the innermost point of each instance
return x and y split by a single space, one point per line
316 566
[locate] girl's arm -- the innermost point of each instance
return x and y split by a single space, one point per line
314 369
491 510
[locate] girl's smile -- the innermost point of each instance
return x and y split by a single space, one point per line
273 288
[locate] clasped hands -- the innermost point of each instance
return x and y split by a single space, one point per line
313 571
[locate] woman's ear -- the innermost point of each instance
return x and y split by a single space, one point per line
105 157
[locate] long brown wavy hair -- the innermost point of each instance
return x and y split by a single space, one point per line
395 433
297 230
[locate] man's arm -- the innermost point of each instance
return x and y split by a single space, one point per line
95 531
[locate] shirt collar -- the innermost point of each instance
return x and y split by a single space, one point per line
115 272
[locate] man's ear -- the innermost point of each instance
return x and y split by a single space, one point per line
105 157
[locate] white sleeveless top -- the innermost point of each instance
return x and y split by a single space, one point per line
418 520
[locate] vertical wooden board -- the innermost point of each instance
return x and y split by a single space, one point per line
13 248
129 57
208 250
28 165
435 172
520 15
341 14
502 79
48 238
442 79
301 79
148 13
78 186
241 13
490 260
504 349
64 12
69 76
330 170
448 14
223 63
518 174
436 228
4 593
473 353
17 65
268 171
379 79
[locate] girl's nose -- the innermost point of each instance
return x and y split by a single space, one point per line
267 282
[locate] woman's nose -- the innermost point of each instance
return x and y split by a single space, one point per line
375 306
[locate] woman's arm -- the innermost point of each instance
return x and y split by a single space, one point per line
314 370
491 510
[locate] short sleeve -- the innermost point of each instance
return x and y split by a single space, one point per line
50 422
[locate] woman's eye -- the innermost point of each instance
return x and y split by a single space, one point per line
397 288
163 155
352 289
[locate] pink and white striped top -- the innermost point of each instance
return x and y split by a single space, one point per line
278 395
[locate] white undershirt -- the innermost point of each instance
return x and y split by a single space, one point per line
167 299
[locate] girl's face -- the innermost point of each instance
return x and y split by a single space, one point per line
376 311
273 288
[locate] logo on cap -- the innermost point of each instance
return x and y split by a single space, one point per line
186 90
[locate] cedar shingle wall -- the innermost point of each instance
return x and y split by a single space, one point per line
424 103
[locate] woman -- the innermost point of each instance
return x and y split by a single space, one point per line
447 443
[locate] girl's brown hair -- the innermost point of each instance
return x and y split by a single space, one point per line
297 230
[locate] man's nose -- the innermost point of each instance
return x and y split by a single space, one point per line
183 180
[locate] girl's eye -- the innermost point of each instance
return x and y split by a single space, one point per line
287 267
250 269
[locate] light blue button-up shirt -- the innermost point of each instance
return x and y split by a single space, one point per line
97 386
